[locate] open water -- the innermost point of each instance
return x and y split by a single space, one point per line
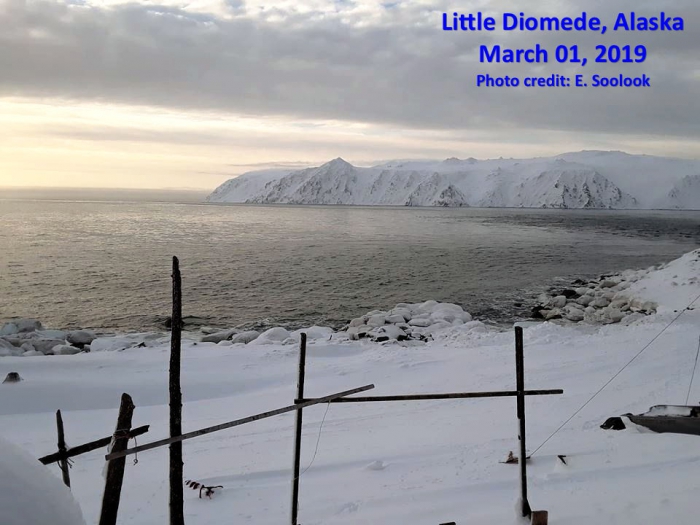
105 264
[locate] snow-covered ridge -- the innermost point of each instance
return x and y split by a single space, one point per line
587 179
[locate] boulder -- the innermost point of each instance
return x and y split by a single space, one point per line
568 293
245 337
65 350
582 291
352 333
8 350
45 346
224 342
427 306
554 313
558 302
359 321
389 331
584 300
275 335
600 302
395 319
51 334
81 337
219 336
620 303
437 327
9 329
377 320
420 321
613 314
404 312
607 283
449 312
28 325
573 314
29 347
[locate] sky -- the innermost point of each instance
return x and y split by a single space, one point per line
186 94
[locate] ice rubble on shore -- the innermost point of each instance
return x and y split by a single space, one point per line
626 298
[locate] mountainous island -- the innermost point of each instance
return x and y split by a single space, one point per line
586 179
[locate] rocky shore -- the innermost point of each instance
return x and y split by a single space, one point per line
605 300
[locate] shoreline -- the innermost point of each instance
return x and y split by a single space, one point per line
608 299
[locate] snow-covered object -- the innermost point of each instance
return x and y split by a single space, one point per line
30 494
245 337
65 350
81 337
272 336
7 349
314 333
587 179
219 336
121 342
407 321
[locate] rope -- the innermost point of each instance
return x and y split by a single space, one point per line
692 377
615 376
318 441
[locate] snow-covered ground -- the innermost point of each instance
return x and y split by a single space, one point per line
392 463
586 179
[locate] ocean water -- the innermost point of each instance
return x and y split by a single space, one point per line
105 264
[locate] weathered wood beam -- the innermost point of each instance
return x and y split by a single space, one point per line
237 422
428 397
88 447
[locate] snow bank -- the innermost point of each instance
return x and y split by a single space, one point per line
30 494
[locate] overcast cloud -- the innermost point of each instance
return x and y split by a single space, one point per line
381 62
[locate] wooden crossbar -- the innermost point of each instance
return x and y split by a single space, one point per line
237 422
427 397
88 447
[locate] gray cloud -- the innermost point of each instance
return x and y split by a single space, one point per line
401 70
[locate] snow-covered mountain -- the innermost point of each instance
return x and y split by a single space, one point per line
587 179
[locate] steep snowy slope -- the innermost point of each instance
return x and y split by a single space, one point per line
588 179
685 194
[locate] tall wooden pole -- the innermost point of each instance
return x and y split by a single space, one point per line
63 462
177 516
520 387
115 469
297 431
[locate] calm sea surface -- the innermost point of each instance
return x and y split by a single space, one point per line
106 265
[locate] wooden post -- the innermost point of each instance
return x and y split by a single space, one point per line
297 431
176 490
540 517
115 469
63 462
520 387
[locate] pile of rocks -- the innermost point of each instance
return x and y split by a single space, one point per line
602 301
27 337
407 322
